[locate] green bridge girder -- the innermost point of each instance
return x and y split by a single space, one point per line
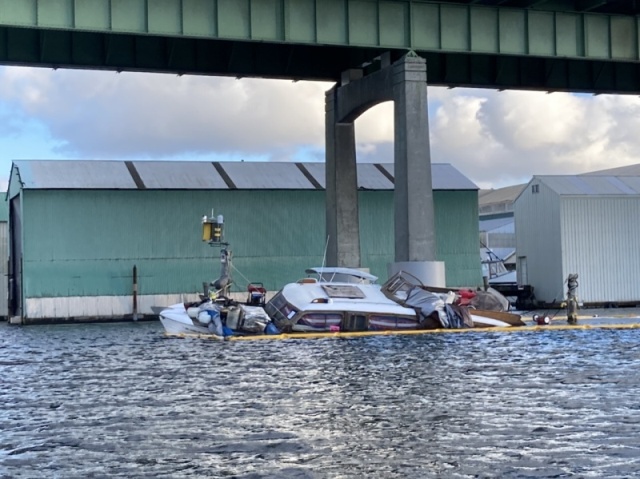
574 45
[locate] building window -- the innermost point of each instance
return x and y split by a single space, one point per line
535 188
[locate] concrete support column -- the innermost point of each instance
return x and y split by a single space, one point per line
343 223
414 213
404 82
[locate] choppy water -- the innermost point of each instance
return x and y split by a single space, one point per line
121 400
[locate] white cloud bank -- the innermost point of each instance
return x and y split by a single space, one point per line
495 138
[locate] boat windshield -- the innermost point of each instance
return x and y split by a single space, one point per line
342 275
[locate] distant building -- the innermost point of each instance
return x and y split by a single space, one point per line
78 229
497 227
498 203
629 170
584 224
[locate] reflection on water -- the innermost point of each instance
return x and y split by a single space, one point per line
122 400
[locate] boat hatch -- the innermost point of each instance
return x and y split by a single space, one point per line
321 300
343 291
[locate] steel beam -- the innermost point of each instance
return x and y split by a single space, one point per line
465 45
413 24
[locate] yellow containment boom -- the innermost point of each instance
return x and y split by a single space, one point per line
413 332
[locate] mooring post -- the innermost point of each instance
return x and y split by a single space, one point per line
572 299
135 292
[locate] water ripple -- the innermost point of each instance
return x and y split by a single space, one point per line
121 400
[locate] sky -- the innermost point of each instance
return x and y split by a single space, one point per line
494 138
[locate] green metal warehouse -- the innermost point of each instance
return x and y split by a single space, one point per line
78 229
4 258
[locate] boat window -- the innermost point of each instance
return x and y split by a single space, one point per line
321 320
343 291
355 322
382 322
279 309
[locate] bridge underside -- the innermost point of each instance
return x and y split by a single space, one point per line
623 7
131 52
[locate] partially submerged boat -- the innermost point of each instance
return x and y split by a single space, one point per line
355 303
332 300
216 314
337 300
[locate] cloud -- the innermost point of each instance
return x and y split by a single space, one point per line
500 138
109 115
495 138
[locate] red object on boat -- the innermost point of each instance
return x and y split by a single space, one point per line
256 294
466 295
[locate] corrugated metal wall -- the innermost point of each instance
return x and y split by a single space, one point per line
538 234
457 236
4 257
86 242
4 268
456 214
600 238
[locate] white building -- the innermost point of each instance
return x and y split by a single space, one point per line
587 225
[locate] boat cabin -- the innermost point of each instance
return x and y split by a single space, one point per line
337 306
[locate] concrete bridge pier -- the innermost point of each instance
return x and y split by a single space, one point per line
405 83
415 238
343 222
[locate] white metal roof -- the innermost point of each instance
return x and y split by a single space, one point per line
99 174
369 176
72 174
266 175
379 176
629 170
179 175
444 176
508 194
580 185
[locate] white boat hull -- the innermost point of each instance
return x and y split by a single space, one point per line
176 321
484 322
